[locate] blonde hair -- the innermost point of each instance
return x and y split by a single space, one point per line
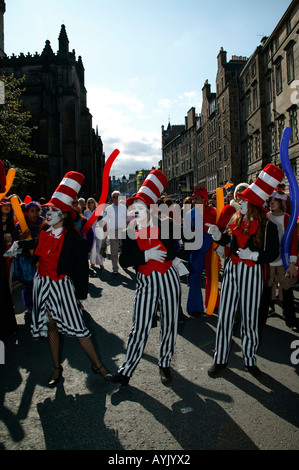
91 199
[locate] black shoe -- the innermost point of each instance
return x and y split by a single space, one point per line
53 382
215 369
166 377
120 379
104 373
253 370
195 314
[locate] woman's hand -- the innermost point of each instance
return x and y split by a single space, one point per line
24 235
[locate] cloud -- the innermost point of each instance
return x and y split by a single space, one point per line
130 124
185 100
123 124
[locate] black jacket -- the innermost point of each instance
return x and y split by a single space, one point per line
267 253
131 255
73 260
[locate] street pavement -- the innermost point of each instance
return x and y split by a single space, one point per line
232 412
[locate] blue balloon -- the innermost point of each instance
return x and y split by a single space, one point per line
294 196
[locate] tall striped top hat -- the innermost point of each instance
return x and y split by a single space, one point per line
151 188
66 192
259 191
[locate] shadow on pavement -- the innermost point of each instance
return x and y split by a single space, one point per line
68 421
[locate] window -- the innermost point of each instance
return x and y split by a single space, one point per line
248 104
249 150
256 149
254 98
278 77
293 125
225 153
269 89
290 65
281 125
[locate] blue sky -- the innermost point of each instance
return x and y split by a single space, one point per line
145 61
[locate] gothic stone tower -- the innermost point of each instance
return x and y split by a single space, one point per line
2 11
55 96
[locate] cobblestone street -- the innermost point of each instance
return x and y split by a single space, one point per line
235 411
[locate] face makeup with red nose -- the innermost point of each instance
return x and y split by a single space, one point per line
53 216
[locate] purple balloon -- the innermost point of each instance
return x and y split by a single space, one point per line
294 196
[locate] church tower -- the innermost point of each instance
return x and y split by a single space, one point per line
2 11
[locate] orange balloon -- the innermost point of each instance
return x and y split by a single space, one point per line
215 258
19 214
9 179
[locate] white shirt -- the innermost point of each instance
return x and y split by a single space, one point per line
116 216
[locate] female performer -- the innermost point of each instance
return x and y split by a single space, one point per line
62 279
253 242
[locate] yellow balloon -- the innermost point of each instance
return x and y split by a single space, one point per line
9 179
215 258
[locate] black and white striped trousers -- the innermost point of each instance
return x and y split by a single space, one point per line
161 291
241 286
58 299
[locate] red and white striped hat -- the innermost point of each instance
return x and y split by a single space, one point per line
66 192
259 191
151 188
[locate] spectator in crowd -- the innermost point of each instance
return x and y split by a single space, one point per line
117 218
23 267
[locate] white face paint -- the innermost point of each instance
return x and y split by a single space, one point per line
140 210
243 206
53 216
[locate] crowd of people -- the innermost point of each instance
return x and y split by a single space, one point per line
52 258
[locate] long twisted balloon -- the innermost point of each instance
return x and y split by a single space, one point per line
104 193
294 196
215 259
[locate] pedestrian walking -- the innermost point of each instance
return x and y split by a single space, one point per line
276 272
253 242
96 257
149 246
117 218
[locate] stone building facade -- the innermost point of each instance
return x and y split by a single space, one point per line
56 98
281 75
239 128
